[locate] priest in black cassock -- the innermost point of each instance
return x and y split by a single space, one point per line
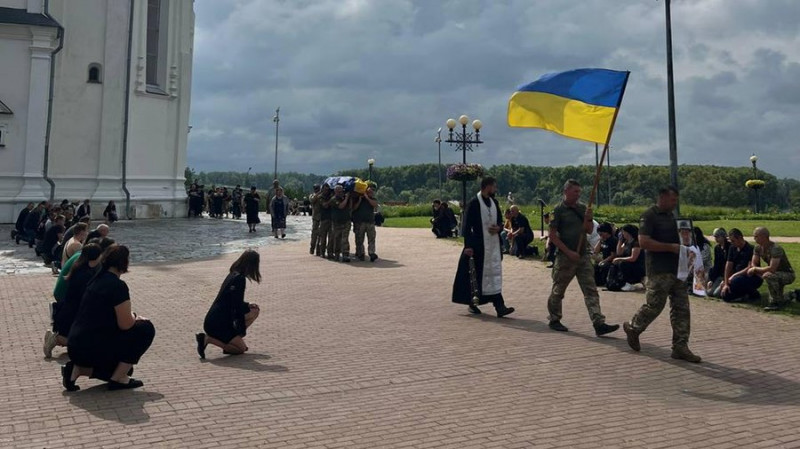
481 231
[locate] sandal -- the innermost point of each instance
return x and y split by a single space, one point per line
66 377
132 383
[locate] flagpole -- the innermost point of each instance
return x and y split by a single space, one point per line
599 167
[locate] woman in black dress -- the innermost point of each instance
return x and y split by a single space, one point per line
629 260
251 201
227 321
82 271
107 339
111 212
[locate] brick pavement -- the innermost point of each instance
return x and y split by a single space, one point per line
375 355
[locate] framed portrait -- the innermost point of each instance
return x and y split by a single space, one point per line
683 225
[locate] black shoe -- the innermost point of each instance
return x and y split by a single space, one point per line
549 266
557 326
66 377
772 307
474 310
132 383
603 329
632 336
361 257
505 311
283 236
311 251
345 259
373 257
201 345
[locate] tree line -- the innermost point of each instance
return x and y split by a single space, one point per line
623 185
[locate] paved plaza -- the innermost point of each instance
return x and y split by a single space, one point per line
375 355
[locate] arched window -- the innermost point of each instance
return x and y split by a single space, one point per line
95 73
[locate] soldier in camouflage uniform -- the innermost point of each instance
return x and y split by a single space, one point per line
658 236
340 220
325 231
571 222
364 223
316 207
777 274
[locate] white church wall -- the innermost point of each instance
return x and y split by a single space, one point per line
78 114
86 145
25 52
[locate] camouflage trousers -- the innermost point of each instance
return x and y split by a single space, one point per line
324 234
361 229
315 235
339 242
564 270
775 283
659 287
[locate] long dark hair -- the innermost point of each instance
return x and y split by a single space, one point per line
632 230
699 238
247 264
88 253
116 256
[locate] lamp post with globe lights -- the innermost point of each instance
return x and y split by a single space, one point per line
370 162
464 141
438 141
754 183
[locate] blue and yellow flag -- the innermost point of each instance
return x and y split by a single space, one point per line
581 103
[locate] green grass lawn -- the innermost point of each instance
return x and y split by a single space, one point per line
777 228
407 222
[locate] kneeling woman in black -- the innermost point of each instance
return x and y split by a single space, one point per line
227 321
106 338
79 277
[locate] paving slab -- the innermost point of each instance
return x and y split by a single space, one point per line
375 355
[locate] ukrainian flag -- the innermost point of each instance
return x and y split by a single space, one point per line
581 103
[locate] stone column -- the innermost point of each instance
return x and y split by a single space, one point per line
34 187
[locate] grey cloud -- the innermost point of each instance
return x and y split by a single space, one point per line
358 79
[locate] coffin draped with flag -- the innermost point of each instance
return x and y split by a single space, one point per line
580 104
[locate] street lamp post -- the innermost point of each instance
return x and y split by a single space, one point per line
277 120
371 162
438 141
247 178
753 160
464 142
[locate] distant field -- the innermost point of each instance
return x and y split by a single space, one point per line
783 228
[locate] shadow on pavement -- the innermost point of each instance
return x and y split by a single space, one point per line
755 386
126 406
248 361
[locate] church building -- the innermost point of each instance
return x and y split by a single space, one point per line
94 104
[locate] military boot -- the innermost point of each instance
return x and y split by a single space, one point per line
683 353
633 336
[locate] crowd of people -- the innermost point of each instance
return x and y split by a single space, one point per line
92 312
669 256
334 212
221 202
54 231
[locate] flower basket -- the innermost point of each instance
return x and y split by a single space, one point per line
755 184
465 172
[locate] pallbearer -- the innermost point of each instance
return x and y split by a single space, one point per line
481 231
